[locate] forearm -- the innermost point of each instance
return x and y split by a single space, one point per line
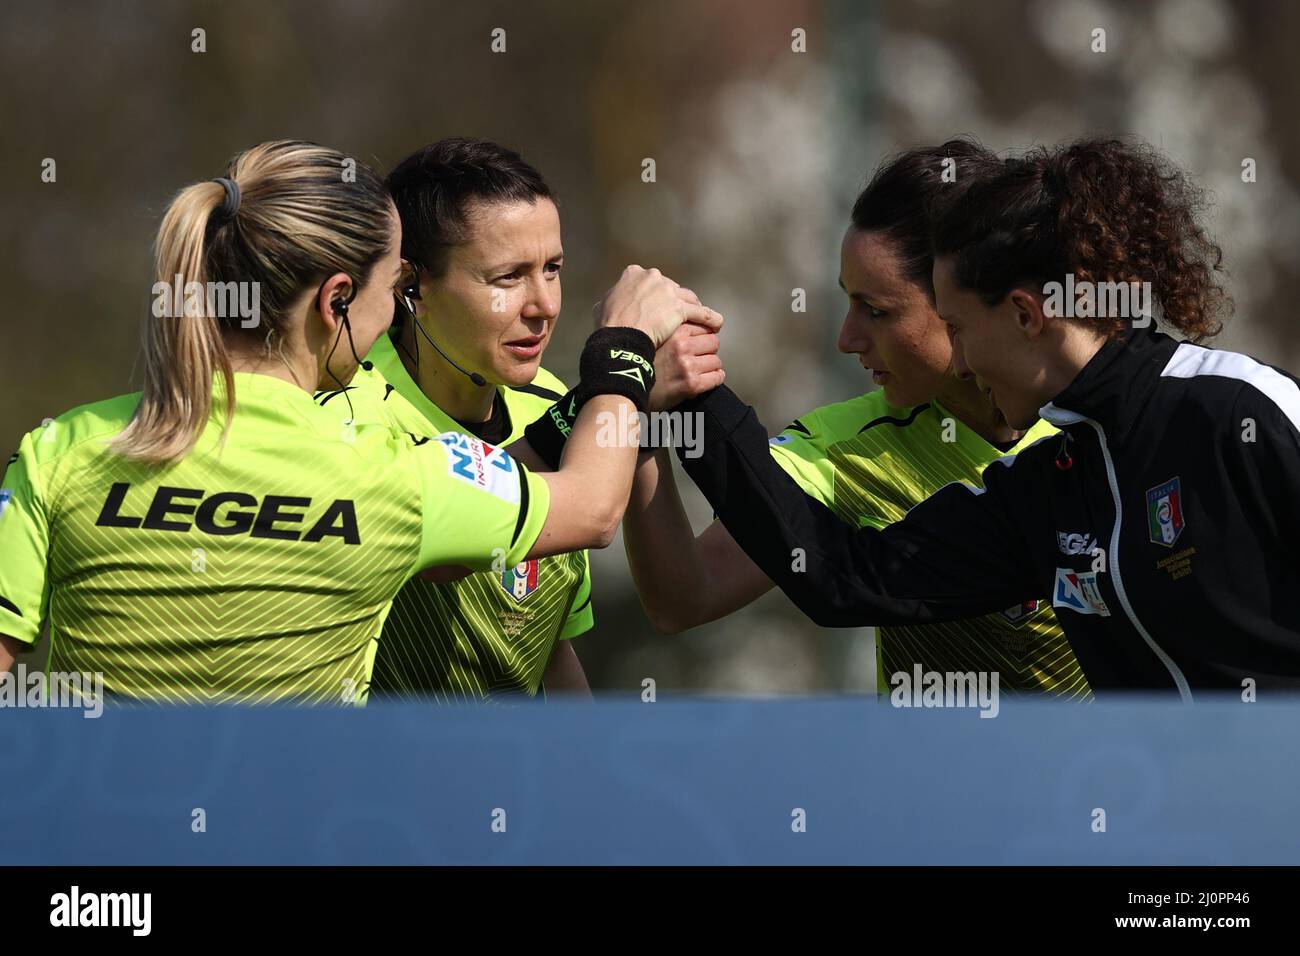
564 673
953 557
683 579
616 374
797 541
9 648
671 579
589 492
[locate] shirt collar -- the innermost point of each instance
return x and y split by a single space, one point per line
1112 389
262 385
389 364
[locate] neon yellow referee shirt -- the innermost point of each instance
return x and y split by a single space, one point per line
259 569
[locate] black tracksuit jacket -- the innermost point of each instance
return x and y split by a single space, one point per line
1161 523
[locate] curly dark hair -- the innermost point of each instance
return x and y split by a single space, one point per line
1102 210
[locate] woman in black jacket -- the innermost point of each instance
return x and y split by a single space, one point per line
1160 523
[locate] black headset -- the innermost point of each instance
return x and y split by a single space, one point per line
411 295
340 308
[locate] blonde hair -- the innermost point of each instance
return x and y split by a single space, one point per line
298 220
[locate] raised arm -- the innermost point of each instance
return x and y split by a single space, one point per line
958 554
683 580
590 490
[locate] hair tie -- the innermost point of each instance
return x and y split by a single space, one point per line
230 205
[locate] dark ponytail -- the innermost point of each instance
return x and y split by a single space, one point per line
908 190
1101 210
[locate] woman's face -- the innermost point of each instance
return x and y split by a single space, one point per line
891 325
495 307
996 345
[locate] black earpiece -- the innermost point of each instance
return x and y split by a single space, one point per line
340 308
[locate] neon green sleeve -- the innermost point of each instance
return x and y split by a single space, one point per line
801 453
24 548
580 619
482 509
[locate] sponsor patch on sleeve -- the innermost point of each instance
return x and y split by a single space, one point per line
484 466
6 496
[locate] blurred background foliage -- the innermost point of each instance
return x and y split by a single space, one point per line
759 151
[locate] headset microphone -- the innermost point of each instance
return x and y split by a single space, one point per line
410 294
474 377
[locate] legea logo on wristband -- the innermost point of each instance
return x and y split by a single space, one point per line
560 422
632 373
640 363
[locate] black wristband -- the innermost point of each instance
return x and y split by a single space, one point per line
548 434
615 361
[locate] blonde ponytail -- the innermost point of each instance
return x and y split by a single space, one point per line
295 213
182 352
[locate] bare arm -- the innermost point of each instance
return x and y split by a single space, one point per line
564 674
682 580
9 648
589 492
